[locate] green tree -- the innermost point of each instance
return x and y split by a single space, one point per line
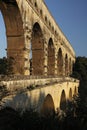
6 66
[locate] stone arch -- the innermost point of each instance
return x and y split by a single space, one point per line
70 94
70 66
30 58
35 4
41 12
48 107
37 50
51 58
46 19
14 33
60 62
75 91
63 101
66 65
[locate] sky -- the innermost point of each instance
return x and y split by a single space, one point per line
3 41
71 17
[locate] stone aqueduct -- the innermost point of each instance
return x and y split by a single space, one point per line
30 26
39 48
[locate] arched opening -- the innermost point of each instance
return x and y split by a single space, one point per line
51 58
75 91
48 108
70 94
70 71
63 101
37 50
30 58
41 12
15 34
66 65
60 62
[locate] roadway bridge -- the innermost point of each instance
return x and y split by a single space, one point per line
44 95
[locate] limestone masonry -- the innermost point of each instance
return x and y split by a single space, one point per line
42 55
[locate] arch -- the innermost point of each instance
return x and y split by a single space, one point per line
60 62
49 24
75 91
70 94
53 29
55 32
48 108
30 58
46 19
35 4
70 66
14 33
37 50
66 65
63 101
51 58
41 12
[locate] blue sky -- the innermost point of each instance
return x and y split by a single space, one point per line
71 16
3 40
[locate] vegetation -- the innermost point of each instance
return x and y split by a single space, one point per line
80 72
75 117
30 120
6 66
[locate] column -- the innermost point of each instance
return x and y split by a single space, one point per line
56 58
45 56
63 63
27 34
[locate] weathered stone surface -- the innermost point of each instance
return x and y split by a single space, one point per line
30 22
32 93
30 28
